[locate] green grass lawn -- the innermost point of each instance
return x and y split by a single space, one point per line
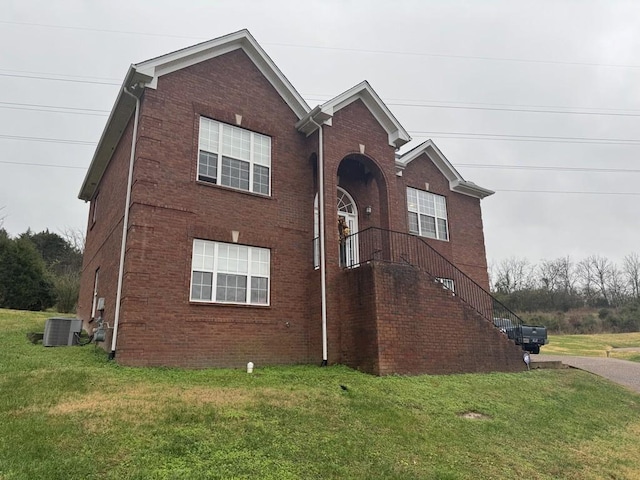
69 413
594 345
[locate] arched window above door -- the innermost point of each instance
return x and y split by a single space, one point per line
345 202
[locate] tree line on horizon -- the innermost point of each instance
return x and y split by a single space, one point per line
562 285
40 270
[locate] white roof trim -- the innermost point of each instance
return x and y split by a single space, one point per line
201 52
456 182
121 112
145 74
398 136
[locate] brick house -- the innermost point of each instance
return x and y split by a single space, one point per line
229 223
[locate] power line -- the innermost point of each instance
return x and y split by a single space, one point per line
470 106
536 167
343 49
41 165
47 140
502 109
497 190
570 192
524 138
58 74
506 108
54 106
461 57
388 101
49 110
102 30
73 80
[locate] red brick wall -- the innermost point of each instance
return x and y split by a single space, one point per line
465 247
352 126
103 239
159 325
417 326
169 208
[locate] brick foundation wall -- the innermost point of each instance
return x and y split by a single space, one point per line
417 327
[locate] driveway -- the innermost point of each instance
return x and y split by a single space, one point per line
621 372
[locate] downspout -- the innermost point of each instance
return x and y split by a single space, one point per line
125 224
323 270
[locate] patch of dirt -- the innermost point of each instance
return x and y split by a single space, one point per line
138 404
474 416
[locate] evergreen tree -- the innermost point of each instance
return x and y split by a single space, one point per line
24 282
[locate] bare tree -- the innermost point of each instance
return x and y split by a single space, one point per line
75 237
586 278
548 275
631 270
616 286
558 275
2 216
513 274
602 269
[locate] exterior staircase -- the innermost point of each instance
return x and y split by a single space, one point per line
376 244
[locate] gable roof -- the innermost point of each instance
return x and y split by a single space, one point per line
242 39
146 74
398 136
456 182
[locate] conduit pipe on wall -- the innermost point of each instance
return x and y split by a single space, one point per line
125 225
323 271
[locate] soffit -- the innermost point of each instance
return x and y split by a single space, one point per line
456 182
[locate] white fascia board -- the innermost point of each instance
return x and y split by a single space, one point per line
310 122
398 136
471 189
201 52
456 182
121 112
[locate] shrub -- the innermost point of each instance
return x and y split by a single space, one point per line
67 288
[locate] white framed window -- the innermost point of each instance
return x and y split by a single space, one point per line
234 157
447 283
94 209
229 273
94 301
427 214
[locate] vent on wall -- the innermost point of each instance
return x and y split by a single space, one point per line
61 332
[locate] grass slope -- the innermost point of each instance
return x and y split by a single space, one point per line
68 413
595 345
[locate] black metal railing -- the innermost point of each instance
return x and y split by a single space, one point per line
376 244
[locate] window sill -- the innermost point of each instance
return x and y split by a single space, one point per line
231 189
234 305
428 238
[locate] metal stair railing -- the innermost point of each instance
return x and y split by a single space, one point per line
377 244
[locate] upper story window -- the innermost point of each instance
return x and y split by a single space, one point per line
229 273
447 283
94 209
427 214
234 157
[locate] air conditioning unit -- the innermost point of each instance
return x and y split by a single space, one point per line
61 332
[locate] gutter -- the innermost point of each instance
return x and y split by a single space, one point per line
125 223
323 269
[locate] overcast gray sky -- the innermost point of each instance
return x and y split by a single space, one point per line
537 100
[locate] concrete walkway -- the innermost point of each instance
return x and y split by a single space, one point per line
621 372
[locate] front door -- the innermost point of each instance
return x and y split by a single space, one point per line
347 229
